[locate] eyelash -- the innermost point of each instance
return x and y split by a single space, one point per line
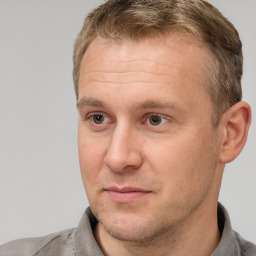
91 116
163 119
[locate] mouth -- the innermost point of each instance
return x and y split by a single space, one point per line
126 194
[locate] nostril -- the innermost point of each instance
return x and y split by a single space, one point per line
122 163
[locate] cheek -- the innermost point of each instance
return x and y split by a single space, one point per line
182 165
91 157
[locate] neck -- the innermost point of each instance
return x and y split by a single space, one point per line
198 235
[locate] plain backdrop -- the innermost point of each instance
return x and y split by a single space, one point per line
40 187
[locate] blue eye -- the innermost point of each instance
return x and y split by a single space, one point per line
156 120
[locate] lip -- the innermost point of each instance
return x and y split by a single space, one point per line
126 194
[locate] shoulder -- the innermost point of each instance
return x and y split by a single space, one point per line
53 244
246 248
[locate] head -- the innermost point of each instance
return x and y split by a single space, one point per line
158 89
131 19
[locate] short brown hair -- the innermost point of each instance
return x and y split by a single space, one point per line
137 19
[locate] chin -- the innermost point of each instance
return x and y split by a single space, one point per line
132 228
133 233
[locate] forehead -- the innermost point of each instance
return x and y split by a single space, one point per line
174 51
173 42
170 67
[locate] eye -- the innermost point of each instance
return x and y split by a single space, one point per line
98 119
156 120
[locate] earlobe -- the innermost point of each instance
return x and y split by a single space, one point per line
236 122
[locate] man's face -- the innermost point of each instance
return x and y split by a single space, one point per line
148 151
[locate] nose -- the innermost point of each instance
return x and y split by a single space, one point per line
124 150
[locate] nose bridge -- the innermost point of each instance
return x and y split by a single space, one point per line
123 149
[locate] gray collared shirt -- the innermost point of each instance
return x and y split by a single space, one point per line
81 242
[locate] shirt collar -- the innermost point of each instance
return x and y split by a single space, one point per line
228 245
83 239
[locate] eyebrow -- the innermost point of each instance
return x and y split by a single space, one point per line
92 102
148 104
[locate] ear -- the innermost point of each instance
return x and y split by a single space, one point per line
235 122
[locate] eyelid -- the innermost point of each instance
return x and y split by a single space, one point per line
164 117
90 115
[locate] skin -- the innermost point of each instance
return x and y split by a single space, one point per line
151 160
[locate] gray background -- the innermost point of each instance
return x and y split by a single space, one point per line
40 187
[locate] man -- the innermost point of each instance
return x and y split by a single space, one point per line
158 86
